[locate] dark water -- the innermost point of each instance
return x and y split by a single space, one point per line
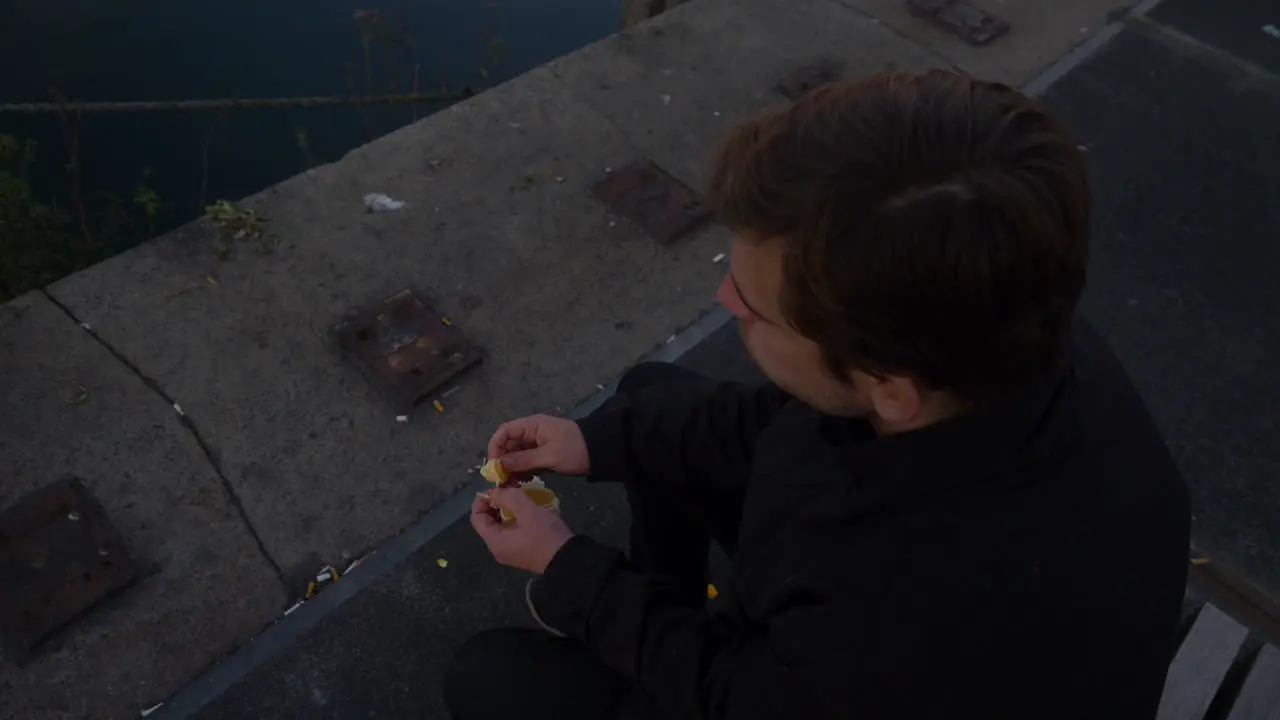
173 50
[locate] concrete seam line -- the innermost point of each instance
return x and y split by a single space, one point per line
1144 7
1041 83
189 425
1182 42
230 670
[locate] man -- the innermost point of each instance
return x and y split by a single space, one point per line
949 503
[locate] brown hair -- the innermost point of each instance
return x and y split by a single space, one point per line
935 226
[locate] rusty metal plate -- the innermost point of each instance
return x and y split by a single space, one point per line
800 82
655 201
974 26
59 556
407 346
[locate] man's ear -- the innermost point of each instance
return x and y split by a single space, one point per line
896 400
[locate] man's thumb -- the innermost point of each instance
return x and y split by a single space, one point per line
525 460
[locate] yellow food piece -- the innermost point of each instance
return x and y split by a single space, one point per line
540 495
493 471
712 592
442 562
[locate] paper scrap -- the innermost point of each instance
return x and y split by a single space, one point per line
377 202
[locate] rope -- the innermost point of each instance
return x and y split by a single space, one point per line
228 103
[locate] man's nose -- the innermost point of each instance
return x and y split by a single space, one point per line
727 296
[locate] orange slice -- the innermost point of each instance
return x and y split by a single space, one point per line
493 471
540 495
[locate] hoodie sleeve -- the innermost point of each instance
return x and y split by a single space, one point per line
690 663
688 429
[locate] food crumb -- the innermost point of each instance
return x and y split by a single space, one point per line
442 562
712 592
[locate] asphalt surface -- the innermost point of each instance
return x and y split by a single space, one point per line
1184 147
1183 141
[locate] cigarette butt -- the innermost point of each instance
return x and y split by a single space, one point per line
436 404
446 322
1200 561
311 590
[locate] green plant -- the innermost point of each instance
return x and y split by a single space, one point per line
35 241
493 47
233 225
148 200
303 143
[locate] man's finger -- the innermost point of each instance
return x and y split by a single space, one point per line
498 441
482 519
530 460
510 435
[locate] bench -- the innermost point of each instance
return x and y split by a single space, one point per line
1221 672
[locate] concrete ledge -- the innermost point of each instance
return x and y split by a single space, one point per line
67 407
678 82
501 235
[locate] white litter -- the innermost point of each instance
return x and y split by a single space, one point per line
666 99
178 409
377 202
718 258
85 326
402 418
1271 30
152 709
295 607
671 339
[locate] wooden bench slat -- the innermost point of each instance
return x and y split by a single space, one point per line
1200 665
1260 697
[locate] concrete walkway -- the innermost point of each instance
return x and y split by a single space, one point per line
285 457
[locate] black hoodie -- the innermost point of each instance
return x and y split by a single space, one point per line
1027 561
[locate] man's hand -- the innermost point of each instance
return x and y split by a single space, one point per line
540 442
529 544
